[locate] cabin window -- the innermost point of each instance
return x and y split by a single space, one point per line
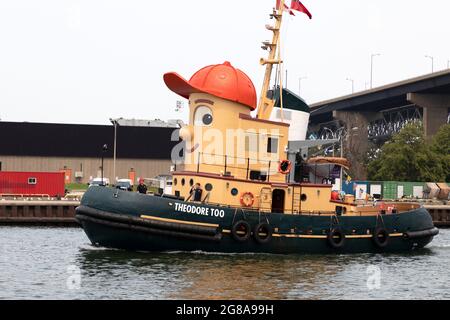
208 187
258 175
272 145
175 181
303 197
183 182
32 181
191 182
203 116
234 192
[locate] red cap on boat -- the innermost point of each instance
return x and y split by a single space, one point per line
220 80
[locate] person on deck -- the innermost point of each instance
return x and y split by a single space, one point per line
196 192
142 188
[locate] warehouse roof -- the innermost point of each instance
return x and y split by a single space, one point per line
74 140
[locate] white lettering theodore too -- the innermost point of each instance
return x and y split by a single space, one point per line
203 211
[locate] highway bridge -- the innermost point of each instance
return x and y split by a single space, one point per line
372 116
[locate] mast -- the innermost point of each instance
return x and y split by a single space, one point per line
266 104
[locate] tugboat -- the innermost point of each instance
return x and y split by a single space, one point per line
235 189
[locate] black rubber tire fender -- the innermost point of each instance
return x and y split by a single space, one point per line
331 238
380 233
266 230
241 231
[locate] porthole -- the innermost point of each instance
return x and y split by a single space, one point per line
175 181
208 187
183 182
191 182
303 197
234 192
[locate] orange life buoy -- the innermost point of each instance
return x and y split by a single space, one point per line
247 199
284 167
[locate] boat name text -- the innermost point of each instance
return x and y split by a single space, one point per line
202 211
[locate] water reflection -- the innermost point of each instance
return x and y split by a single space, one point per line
34 262
217 276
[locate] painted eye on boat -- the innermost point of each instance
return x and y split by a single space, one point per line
203 116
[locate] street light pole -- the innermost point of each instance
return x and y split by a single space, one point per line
371 68
353 84
432 62
104 149
115 123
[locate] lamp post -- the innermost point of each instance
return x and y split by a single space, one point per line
432 62
115 122
300 84
353 84
104 149
371 67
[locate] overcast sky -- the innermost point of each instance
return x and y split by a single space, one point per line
77 61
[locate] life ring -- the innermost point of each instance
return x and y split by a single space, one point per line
241 231
336 238
247 199
284 167
381 237
263 233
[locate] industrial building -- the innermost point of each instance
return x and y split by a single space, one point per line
77 150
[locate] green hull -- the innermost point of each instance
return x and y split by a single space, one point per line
118 219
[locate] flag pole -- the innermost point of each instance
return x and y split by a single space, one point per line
266 104
281 70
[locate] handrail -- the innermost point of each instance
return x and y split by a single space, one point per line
226 164
242 158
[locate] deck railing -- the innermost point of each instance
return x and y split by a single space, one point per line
248 164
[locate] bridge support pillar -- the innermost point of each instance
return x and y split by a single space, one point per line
356 141
435 110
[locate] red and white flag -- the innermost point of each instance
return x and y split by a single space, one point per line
286 8
297 5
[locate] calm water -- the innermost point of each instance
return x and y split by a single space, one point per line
60 263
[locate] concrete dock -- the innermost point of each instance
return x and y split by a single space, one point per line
440 215
38 212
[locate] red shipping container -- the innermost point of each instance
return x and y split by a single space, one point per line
32 183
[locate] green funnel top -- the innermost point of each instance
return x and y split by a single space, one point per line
291 100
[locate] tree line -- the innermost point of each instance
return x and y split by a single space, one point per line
409 157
